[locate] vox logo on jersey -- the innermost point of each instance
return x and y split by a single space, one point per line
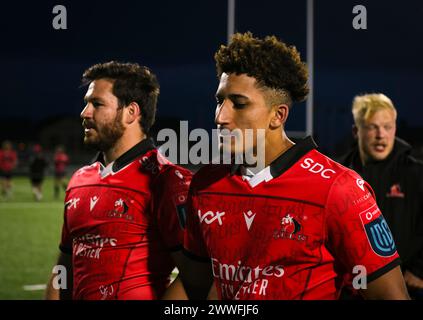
209 217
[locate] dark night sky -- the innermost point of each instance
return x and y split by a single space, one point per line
41 67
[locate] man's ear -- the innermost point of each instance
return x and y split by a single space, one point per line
280 116
355 131
132 112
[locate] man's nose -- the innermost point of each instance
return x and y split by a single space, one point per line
223 113
380 132
87 112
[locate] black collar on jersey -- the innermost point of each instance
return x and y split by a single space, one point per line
139 149
288 158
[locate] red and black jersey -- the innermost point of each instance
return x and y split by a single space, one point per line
301 228
8 160
121 224
61 160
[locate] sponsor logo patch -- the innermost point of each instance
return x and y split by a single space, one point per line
378 232
210 216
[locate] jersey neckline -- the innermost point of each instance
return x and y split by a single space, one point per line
286 160
139 149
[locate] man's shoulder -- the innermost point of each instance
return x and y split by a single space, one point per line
324 180
210 174
347 187
320 165
418 163
163 171
82 174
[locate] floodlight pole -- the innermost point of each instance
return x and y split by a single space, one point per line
231 19
310 63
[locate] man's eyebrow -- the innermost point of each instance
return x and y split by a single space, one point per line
93 99
232 96
237 96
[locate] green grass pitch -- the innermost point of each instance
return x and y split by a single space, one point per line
29 237
29 240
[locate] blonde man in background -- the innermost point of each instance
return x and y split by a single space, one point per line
384 161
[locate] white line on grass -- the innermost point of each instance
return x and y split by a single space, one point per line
26 205
34 287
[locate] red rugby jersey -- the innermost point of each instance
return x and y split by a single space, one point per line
296 230
8 160
61 160
122 222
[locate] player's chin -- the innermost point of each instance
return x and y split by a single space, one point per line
91 141
379 156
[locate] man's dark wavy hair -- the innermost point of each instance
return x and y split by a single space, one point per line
131 83
270 61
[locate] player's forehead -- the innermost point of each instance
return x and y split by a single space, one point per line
100 89
383 116
237 84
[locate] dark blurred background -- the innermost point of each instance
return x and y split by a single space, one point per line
41 98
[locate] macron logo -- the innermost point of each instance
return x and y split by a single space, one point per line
209 217
249 217
93 202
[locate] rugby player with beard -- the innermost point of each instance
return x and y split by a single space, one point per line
123 220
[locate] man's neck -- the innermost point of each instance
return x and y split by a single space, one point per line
277 147
123 145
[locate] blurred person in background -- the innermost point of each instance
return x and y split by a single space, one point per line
61 161
37 168
384 161
8 162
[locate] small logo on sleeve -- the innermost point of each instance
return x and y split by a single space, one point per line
360 184
378 232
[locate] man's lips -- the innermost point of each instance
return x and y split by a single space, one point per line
87 126
88 129
379 147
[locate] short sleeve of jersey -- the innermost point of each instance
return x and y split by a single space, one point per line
170 199
194 244
66 242
357 233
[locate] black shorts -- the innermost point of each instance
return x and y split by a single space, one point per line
6 174
60 174
37 180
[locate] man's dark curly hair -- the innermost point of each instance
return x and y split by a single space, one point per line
271 62
131 83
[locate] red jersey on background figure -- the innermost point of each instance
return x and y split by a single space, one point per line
121 223
295 230
8 162
8 159
61 160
